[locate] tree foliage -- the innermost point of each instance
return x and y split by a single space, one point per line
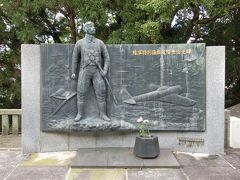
215 22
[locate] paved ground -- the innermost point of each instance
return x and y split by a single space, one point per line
51 166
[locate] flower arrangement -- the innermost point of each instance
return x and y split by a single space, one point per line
143 127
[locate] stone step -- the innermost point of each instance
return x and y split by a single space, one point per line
121 158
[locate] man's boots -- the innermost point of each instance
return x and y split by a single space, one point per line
79 116
102 109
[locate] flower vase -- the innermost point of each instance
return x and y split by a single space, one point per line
146 147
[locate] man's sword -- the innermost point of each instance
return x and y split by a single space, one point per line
109 86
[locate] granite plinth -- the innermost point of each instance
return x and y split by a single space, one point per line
121 158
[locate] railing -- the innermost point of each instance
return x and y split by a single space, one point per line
10 121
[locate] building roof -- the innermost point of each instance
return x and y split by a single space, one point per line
235 110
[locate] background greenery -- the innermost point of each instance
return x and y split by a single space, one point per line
214 22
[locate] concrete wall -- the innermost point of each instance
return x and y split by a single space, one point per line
211 141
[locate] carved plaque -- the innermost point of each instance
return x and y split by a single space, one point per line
165 84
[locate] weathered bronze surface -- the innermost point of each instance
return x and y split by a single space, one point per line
91 55
163 83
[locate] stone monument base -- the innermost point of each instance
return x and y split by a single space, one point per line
210 141
121 158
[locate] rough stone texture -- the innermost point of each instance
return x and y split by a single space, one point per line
155 174
213 136
8 161
39 173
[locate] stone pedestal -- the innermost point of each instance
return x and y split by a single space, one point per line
121 158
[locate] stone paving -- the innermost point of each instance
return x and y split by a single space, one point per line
56 165
204 168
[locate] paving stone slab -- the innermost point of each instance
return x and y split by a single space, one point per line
97 174
213 161
233 157
166 159
50 159
211 173
8 161
39 173
155 174
91 158
122 158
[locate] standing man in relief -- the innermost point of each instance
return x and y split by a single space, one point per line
93 57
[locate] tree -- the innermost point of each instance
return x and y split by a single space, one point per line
215 22
9 64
